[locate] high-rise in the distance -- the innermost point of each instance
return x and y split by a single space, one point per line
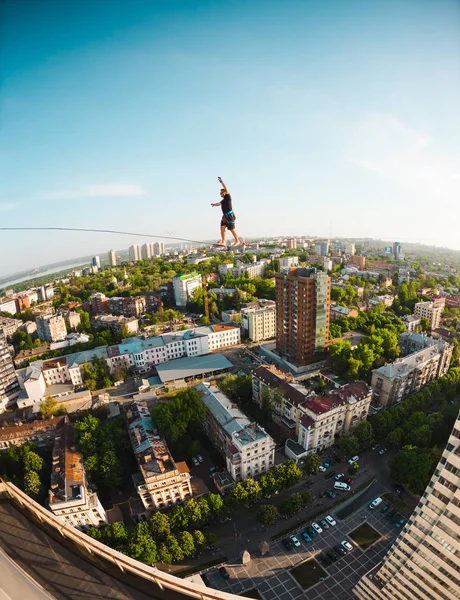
303 298
95 262
396 250
424 561
9 386
112 258
135 253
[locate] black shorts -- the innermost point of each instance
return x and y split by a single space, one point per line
228 221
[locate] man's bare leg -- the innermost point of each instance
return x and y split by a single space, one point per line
238 241
221 242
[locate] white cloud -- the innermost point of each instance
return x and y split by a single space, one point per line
5 206
97 191
384 144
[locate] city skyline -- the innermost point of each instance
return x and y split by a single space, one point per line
310 112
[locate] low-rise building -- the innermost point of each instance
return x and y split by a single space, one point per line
72 318
337 413
115 323
224 269
393 382
385 299
8 305
259 322
410 342
431 311
184 286
326 263
248 450
41 433
160 482
357 260
99 303
256 269
289 261
9 326
51 328
343 311
411 322
69 498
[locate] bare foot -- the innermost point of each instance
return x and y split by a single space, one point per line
220 243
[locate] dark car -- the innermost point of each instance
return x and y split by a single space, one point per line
399 489
324 558
324 524
332 555
400 524
390 514
339 549
287 543
385 508
348 480
311 532
224 573
395 518
205 579
330 474
308 482
330 494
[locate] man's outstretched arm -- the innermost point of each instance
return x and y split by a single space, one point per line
222 184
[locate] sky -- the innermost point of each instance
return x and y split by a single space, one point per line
322 116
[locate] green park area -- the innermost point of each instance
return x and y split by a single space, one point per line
364 536
308 573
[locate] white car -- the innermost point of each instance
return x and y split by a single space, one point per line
195 462
199 458
339 476
295 541
330 520
316 527
375 503
348 547
353 460
321 468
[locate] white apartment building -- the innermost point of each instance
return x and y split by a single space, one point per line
112 258
249 451
51 328
411 323
158 249
350 249
259 322
256 269
160 482
224 269
184 286
69 498
8 305
394 381
9 386
9 326
135 253
289 261
146 251
326 263
423 563
324 418
431 311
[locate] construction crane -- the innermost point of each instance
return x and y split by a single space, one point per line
204 283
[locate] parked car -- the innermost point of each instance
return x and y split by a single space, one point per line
224 573
306 537
375 503
343 487
340 549
330 494
200 458
390 514
287 543
295 541
324 524
401 523
375 446
353 460
395 518
308 483
324 558
347 480
212 469
311 532
332 555
340 476
316 527
383 450
195 462
348 547
330 520
385 508
324 467
399 489
330 474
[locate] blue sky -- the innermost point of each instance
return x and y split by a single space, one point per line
317 114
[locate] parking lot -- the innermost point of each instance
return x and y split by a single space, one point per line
271 577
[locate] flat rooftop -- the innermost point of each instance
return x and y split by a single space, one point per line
403 366
191 366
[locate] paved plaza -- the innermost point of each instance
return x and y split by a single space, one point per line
270 575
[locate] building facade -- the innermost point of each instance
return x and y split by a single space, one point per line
289 261
259 322
431 311
112 258
51 328
9 385
303 298
393 382
357 261
410 342
41 433
69 498
134 253
248 450
423 563
9 326
160 481
184 286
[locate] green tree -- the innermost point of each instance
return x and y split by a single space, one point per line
160 525
199 540
184 413
178 518
238 495
216 506
174 548
211 538
49 407
396 437
164 555
455 353
335 331
364 434
253 491
349 445
33 462
267 514
312 463
353 469
413 467
141 545
186 543
425 324
192 512
32 483
85 323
